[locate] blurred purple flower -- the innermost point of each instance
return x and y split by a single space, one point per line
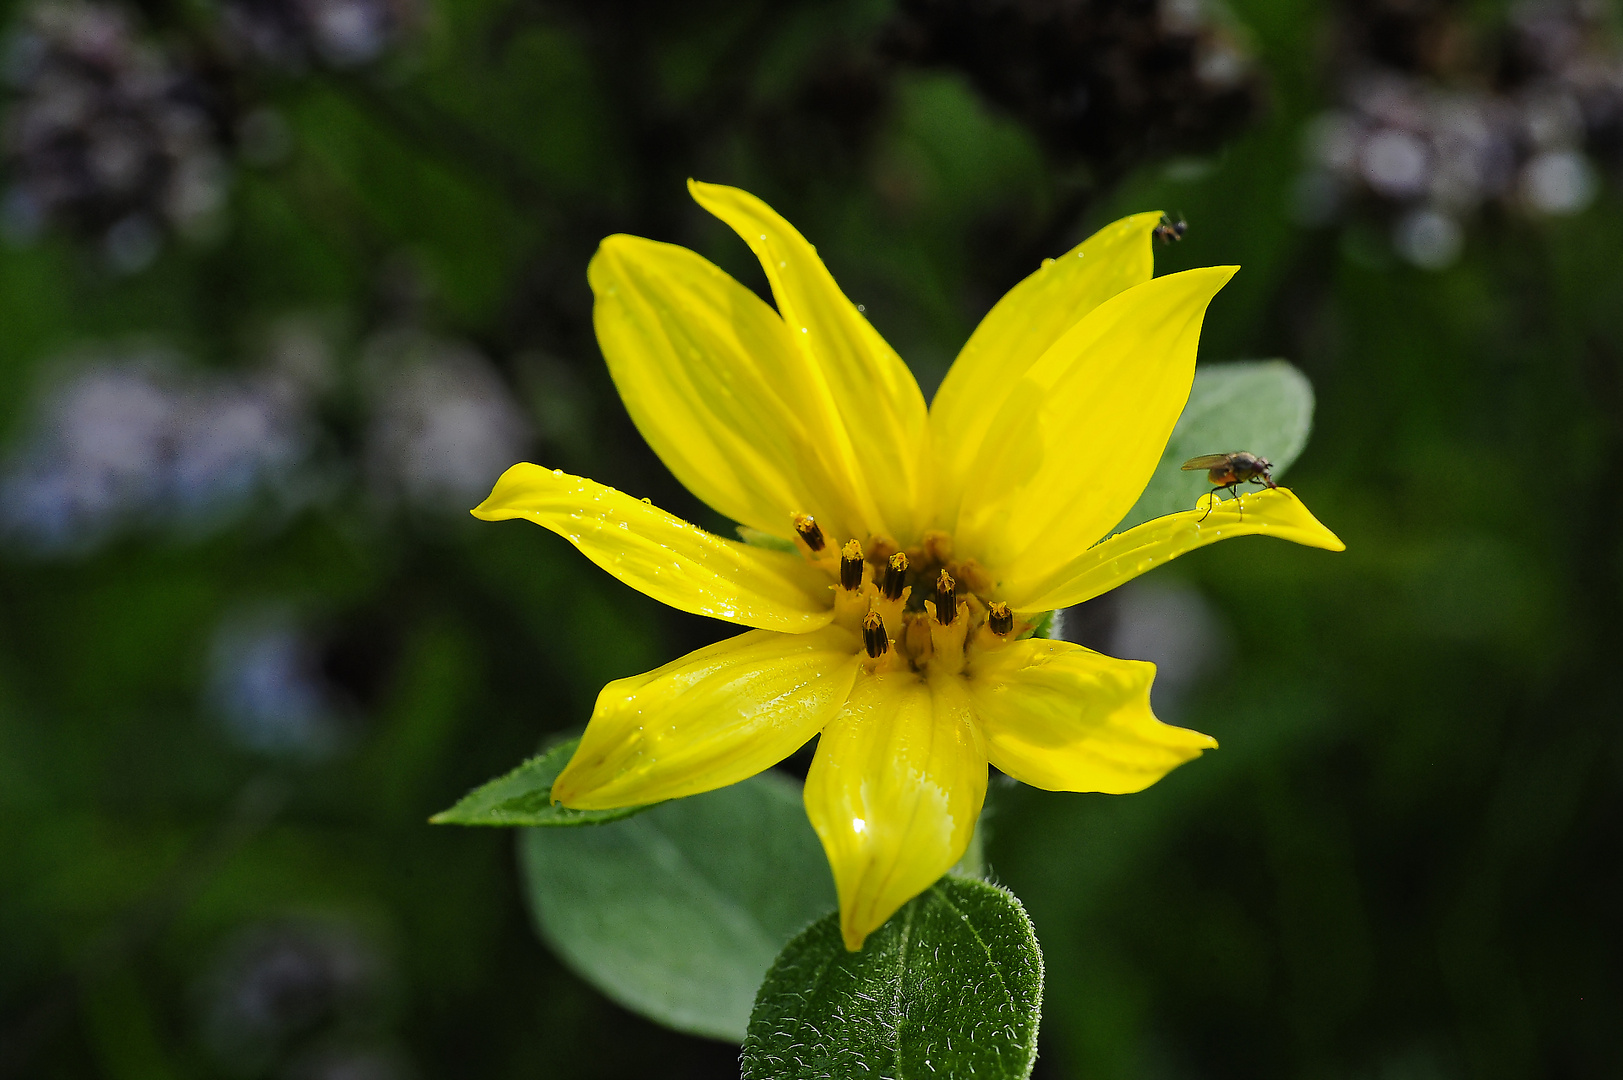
106 137
1428 140
278 984
339 33
135 441
265 683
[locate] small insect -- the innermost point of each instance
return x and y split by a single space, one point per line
1230 470
1169 229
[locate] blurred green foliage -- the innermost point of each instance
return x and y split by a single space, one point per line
1402 864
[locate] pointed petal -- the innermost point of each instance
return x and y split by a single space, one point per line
894 793
1021 327
712 718
1081 433
663 556
1126 555
879 422
1064 718
715 384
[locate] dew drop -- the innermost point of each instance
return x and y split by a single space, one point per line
557 472
647 501
862 307
1048 262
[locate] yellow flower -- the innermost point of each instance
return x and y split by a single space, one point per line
900 552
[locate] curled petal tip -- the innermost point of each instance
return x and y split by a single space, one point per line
1312 531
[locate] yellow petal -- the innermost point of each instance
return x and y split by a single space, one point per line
894 793
1082 431
1064 718
712 718
881 434
713 381
1126 555
1021 327
663 556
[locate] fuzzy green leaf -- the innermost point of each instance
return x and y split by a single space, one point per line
524 797
951 986
757 538
678 913
1264 406
1050 625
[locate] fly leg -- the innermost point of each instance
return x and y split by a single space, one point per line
1211 505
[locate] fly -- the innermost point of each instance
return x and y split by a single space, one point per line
1230 470
1169 229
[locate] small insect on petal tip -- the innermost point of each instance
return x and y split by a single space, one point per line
851 566
873 635
809 531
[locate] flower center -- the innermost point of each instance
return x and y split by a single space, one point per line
915 609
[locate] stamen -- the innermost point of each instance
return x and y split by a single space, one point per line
1001 619
895 575
851 566
946 599
873 636
809 531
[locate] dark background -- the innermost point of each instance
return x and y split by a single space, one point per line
286 283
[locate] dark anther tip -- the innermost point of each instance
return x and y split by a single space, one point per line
895 575
851 566
809 531
873 635
1001 619
946 599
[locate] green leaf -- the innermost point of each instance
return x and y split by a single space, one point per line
757 538
1050 625
524 797
951 986
1264 406
678 913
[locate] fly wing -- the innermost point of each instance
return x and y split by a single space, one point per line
1205 461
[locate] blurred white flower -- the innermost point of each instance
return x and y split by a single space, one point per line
1558 182
139 440
443 422
1429 239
